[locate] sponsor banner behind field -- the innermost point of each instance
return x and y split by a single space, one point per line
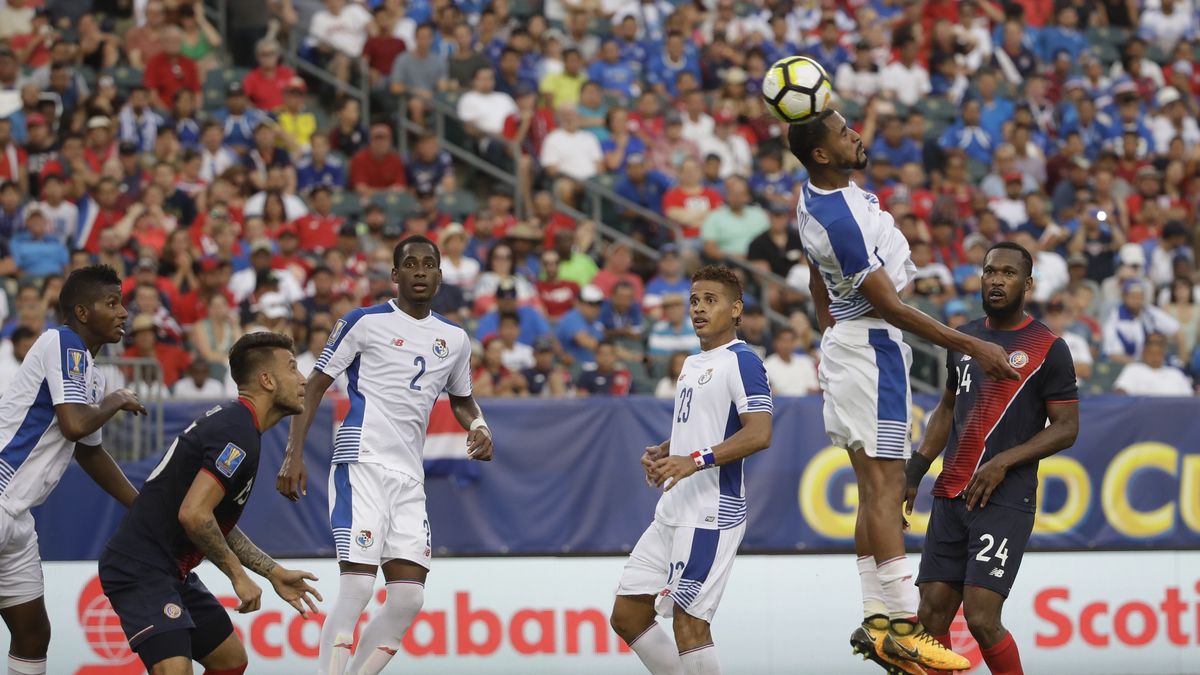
1093 613
566 479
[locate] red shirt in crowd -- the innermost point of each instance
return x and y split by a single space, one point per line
166 74
381 50
557 223
264 90
539 128
173 360
192 307
12 158
606 281
558 296
104 219
96 158
379 173
317 232
706 198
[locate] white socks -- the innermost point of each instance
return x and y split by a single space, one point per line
657 651
20 666
899 591
381 638
701 661
872 591
337 635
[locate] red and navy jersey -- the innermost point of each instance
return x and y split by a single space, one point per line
225 444
991 416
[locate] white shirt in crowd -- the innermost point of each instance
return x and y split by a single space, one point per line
345 32
62 219
698 130
1050 275
186 389
574 154
1139 379
857 85
1081 352
907 84
463 274
518 357
795 377
486 111
737 159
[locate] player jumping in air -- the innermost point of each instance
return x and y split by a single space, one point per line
398 358
52 410
994 433
860 262
188 510
682 562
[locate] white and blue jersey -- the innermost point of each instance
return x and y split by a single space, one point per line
848 236
714 388
396 366
33 452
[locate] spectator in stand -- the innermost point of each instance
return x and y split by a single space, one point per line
574 264
563 88
771 184
36 251
666 384
932 279
458 269
728 231
579 331
646 188
215 157
169 71
905 79
1058 318
213 336
606 378
466 59
382 47
672 333
509 76
546 378
621 315
348 135
778 248
199 384
491 378
430 169
148 300
192 306
143 42
670 149
967 135
1064 35
1040 225
618 262
1098 239
859 80
664 68
515 356
615 76
265 155
1128 325
533 323
320 167
339 31
730 146
419 73
377 167
238 119
790 370
501 271
483 111
557 296
172 360
893 144
569 151
14 350
689 203
296 123
1151 376
1173 121
61 215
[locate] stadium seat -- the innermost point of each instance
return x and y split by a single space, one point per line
346 204
851 110
125 77
936 107
1157 54
458 204
1104 374
976 170
396 203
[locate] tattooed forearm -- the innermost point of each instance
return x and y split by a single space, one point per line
251 556
208 538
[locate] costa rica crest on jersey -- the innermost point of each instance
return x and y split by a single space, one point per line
440 348
1018 359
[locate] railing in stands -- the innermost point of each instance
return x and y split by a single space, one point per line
130 437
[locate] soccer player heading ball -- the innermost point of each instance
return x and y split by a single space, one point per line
860 262
681 564
994 433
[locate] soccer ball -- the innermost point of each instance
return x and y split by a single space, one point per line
796 89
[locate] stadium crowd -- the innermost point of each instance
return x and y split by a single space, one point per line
1069 127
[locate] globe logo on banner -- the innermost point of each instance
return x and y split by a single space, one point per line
964 643
102 629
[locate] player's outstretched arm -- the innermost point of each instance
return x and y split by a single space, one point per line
820 297
937 433
196 517
291 585
77 421
479 436
1058 435
754 435
99 465
292 481
877 288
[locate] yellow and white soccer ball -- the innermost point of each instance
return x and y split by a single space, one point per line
797 89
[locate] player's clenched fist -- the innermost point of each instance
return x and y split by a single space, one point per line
479 444
292 480
128 401
248 592
652 454
673 469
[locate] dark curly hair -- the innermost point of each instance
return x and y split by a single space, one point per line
724 276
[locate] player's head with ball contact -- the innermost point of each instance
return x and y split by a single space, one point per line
417 272
716 305
828 148
263 366
1006 280
90 303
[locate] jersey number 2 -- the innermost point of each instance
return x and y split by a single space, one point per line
685 405
419 363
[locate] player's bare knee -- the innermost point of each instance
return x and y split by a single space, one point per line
935 618
30 638
690 632
984 625
176 665
629 618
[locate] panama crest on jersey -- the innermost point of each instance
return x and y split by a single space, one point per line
364 539
704 379
440 348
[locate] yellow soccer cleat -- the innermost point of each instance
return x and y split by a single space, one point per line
867 641
909 641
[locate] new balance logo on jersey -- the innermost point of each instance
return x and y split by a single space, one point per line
996 572
966 357
397 342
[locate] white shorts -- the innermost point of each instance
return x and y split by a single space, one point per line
868 401
20 564
377 515
683 566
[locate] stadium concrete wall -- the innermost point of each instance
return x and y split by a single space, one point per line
1093 613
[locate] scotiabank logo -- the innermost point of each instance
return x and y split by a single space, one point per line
464 629
1101 623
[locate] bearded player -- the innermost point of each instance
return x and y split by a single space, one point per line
860 262
188 511
994 432
681 565
398 357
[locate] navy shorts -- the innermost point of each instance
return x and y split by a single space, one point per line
982 547
151 602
